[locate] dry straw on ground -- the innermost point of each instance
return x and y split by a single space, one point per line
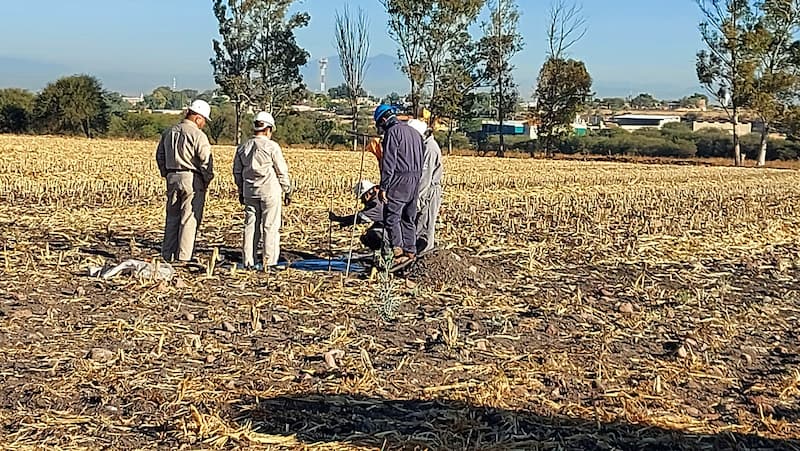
609 306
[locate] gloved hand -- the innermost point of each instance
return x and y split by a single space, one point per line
287 199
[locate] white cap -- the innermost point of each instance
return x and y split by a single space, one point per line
202 108
418 125
362 187
266 119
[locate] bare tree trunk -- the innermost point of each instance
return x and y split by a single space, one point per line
450 137
737 148
762 152
501 150
238 122
355 125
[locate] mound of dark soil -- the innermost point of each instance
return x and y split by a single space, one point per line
446 267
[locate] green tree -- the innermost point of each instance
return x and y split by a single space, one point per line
644 101
117 106
406 20
564 85
16 110
500 42
776 78
693 101
726 64
72 104
275 57
224 124
342 92
455 98
446 29
563 88
232 60
392 99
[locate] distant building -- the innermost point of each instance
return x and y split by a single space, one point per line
134 100
510 128
580 126
174 112
722 124
631 122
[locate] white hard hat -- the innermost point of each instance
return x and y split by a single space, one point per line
418 125
202 108
266 119
362 187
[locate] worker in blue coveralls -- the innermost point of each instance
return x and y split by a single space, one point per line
401 170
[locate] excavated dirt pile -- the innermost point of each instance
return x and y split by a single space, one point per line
448 268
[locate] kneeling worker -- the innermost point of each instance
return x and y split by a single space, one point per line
371 213
261 175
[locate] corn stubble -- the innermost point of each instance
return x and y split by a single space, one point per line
643 305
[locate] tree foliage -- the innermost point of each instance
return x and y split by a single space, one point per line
73 104
563 87
406 18
777 53
447 42
276 57
500 42
16 110
645 101
726 65
257 61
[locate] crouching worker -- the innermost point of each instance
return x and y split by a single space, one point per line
262 177
372 213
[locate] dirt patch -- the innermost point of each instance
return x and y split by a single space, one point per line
449 268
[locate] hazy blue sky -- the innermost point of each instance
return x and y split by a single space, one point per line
133 46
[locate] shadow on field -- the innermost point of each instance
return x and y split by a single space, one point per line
451 425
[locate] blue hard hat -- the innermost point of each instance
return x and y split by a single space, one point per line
382 110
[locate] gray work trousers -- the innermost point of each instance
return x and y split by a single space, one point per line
426 219
400 213
186 198
262 219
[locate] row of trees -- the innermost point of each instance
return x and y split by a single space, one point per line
751 60
646 101
76 104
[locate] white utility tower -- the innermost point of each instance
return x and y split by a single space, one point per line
323 71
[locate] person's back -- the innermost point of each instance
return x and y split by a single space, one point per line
430 195
405 147
184 159
263 169
401 169
261 176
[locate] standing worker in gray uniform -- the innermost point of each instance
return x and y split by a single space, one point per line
430 188
184 160
261 175
401 169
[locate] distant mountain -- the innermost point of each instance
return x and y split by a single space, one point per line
28 74
381 78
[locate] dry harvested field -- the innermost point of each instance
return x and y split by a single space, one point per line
574 305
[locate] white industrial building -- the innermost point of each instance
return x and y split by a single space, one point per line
631 122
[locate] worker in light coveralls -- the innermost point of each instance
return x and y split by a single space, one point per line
401 169
184 159
430 188
262 178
